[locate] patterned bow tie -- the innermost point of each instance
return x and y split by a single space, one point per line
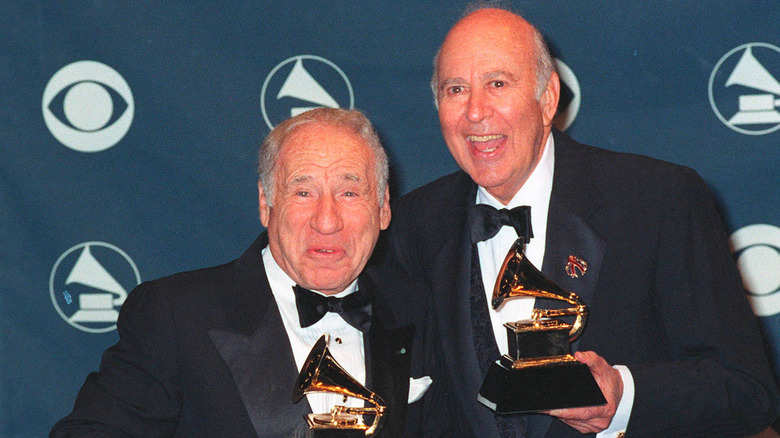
485 221
355 308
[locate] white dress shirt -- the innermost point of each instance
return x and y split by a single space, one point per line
346 342
535 193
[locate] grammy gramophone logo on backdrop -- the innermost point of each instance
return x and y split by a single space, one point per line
88 106
89 283
301 83
744 89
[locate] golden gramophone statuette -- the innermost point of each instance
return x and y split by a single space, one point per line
321 373
539 372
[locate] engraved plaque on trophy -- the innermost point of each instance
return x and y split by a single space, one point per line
539 372
321 373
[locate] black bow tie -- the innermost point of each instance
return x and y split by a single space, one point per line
355 308
485 221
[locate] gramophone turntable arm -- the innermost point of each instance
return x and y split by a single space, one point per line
581 312
375 410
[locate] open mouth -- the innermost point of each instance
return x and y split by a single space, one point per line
486 143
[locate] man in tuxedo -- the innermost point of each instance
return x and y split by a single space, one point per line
216 352
637 239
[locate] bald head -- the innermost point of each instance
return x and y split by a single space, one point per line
491 24
496 95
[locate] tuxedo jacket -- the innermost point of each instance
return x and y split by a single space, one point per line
205 354
664 294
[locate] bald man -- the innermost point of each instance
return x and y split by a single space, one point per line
667 305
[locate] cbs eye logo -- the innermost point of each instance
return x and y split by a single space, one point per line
757 248
88 106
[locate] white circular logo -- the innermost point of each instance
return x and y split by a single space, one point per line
88 106
744 90
569 103
89 283
757 248
301 83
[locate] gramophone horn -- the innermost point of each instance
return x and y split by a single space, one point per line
321 373
520 278
750 73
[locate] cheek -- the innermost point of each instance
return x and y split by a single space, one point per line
363 222
449 116
290 226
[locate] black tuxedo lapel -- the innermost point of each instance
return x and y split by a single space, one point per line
573 202
389 356
265 376
569 235
388 351
450 279
258 353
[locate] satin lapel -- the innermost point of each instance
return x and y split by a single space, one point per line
574 203
450 279
390 354
569 235
257 352
451 282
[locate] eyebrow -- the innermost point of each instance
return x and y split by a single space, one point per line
301 179
351 177
489 75
497 73
343 176
451 81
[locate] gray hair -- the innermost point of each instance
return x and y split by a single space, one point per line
544 62
351 120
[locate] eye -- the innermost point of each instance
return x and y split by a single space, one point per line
455 89
350 194
88 106
302 194
498 84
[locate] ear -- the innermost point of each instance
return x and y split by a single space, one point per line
549 99
265 209
384 211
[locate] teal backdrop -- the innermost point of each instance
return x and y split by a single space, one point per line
129 129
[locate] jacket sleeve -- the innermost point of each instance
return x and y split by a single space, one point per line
137 391
718 381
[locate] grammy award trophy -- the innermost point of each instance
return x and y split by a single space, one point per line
539 372
321 373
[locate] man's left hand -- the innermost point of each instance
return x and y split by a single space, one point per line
594 419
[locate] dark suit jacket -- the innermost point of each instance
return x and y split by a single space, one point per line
205 354
664 294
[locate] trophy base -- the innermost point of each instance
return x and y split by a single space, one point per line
509 390
335 426
335 433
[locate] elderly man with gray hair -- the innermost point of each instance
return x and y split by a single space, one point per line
216 352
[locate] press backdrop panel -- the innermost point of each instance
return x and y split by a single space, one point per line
128 134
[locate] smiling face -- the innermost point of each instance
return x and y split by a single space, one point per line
326 214
491 120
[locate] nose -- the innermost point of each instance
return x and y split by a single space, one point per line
478 106
327 217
